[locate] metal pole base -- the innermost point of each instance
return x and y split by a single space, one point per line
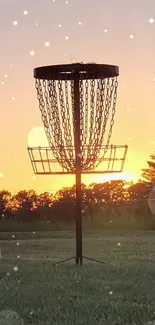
78 261
63 261
94 260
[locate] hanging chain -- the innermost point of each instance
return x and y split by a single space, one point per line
63 112
54 119
97 122
81 91
92 104
86 112
115 86
43 110
97 96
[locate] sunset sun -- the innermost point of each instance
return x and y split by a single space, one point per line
37 137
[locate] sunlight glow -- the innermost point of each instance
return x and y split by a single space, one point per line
126 176
37 137
151 20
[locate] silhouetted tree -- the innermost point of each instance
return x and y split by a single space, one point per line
149 173
63 210
4 201
6 195
44 199
139 191
109 192
25 195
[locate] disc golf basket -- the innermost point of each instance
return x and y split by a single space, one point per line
77 104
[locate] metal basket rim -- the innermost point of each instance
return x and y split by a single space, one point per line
70 71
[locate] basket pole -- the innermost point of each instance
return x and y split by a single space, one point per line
78 171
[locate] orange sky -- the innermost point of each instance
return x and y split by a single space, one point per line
103 36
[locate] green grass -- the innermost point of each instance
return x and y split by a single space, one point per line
121 291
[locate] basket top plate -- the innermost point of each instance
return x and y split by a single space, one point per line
76 70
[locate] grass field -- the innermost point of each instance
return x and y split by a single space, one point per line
121 291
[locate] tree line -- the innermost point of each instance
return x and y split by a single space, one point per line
109 199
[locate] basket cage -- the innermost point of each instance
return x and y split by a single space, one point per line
95 88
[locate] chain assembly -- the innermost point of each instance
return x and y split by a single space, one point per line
97 109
